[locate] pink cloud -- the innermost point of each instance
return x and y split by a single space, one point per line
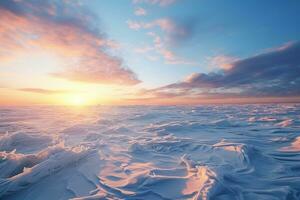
134 25
140 12
71 34
168 25
281 47
222 61
158 2
43 91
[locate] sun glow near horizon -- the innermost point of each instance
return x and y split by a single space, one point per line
86 95
77 100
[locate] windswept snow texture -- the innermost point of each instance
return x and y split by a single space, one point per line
204 152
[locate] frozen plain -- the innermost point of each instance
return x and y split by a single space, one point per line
149 152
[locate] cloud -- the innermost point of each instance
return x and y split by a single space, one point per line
134 25
174 31
272 74
171 32
222 62
140 12
166 25
103 74
68 29
43 91
168 55
155 2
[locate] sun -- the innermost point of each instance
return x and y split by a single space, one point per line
77 100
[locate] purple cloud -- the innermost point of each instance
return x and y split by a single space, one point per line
272 74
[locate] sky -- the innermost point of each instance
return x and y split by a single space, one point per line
132 52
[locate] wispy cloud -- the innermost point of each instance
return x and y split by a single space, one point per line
68 29
168 26
43 91
168 55
171 32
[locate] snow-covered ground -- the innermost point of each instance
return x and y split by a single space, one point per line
147 152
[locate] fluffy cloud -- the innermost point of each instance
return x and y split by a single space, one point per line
67 29
158 2
272 74
222 61
140 12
